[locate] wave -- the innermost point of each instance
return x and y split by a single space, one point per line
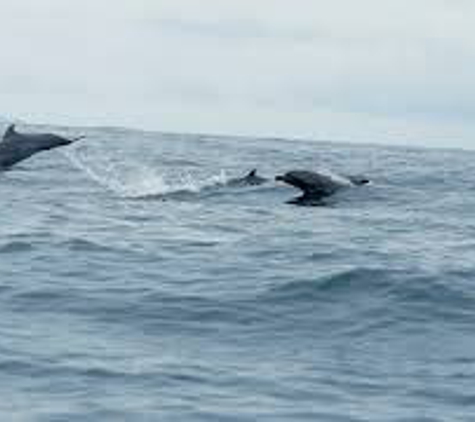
16 247
365 295
338 285
401 285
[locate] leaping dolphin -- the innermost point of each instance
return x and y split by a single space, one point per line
16 147
316 186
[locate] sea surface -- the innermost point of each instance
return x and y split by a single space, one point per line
136 285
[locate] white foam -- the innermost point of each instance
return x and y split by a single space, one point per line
134 180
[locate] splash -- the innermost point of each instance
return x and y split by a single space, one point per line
130 180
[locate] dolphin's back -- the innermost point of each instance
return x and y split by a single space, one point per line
250 179
312 182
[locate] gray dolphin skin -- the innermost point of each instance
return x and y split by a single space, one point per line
16 147
316 186
250 179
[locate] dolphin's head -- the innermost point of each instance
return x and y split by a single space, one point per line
49 141
312 186
294 178
59 140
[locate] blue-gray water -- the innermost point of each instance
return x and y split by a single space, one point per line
135 286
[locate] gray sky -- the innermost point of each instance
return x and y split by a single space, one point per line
397 71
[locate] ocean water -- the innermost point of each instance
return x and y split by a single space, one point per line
136 286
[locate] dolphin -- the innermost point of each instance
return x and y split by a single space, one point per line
316 186
250 179
16 147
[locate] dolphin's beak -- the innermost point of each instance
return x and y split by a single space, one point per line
78 138
279 178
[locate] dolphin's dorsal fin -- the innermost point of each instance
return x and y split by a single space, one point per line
252 173
10 131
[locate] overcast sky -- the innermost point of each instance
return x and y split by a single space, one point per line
397 71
